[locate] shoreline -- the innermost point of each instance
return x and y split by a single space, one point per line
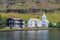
28 29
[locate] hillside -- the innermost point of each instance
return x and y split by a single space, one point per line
29 6
25 4
54 17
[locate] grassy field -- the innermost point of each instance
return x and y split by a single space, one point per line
54 17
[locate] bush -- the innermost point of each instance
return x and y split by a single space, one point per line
10 27
58 25
26 22
1 22
50 24
37 17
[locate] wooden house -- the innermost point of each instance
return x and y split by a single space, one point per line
15 22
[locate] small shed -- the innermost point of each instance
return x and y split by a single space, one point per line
33 22
15 22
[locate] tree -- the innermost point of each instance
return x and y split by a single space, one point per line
37 17
26 23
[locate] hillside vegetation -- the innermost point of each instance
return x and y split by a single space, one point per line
54 17
24 4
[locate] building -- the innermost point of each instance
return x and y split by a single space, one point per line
33 22
44 22
15 22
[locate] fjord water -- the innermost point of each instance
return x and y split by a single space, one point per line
31 35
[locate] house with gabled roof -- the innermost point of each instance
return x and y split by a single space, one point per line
15 22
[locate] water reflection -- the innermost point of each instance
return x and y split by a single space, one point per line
44 35
37 35
54 34
31 35
5 35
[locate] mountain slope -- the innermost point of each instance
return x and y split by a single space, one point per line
47 4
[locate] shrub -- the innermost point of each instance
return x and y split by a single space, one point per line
50 24
10 27
1 22
58 25
38 17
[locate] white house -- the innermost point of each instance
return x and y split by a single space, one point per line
44 22
33 22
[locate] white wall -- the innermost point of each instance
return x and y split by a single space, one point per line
34 23
31 23
45 23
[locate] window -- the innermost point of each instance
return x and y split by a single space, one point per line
10 21
43 21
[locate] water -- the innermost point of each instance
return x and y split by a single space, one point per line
31 35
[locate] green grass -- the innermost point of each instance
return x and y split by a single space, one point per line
54 17
16 15
27 29
13 29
